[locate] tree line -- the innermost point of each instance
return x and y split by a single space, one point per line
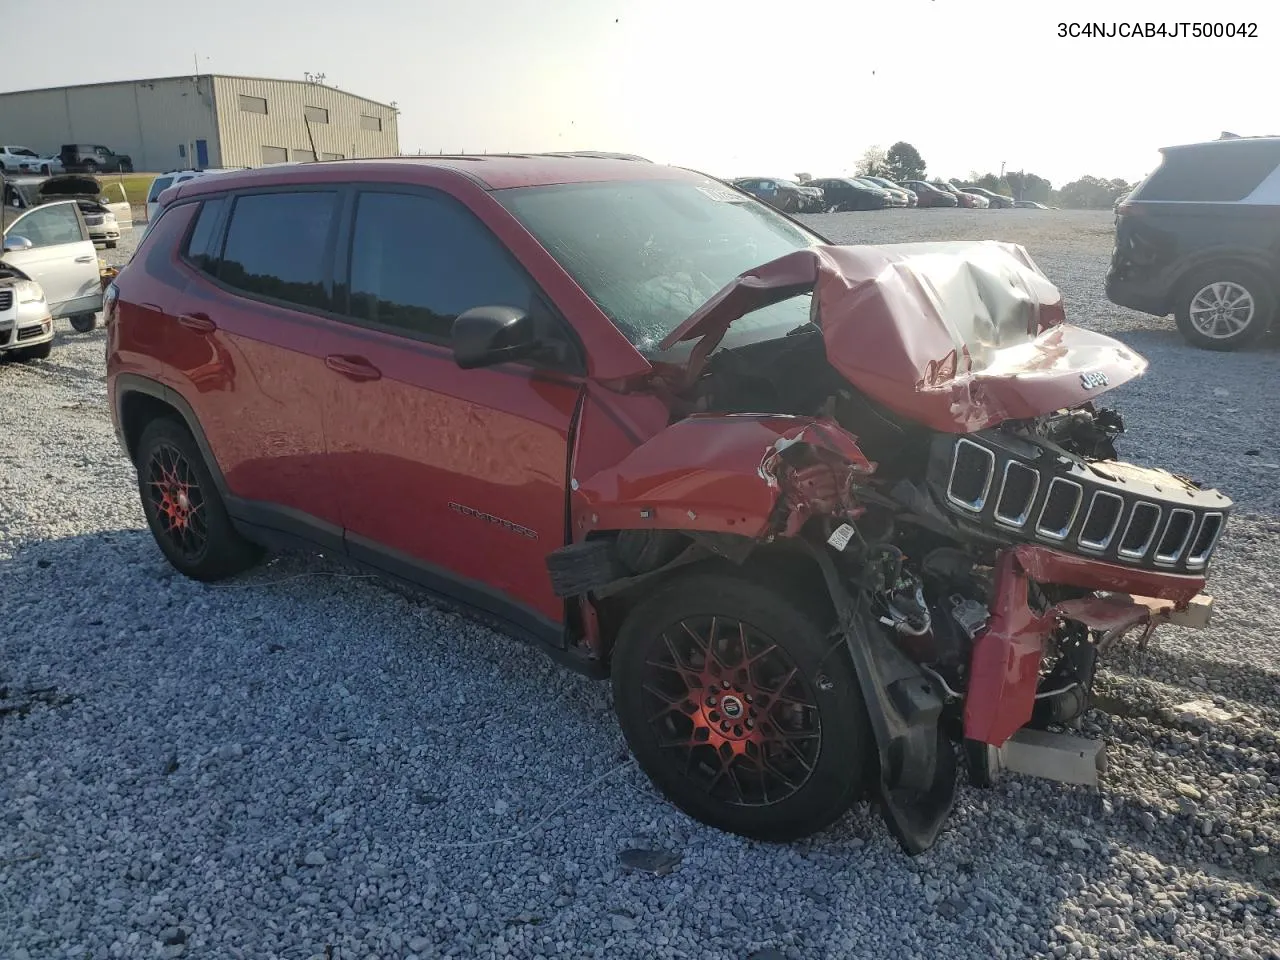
902 161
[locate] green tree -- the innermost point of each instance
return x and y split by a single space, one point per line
903 162
1092 193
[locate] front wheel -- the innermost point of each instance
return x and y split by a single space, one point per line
183 507
1224 307
740 710
84 322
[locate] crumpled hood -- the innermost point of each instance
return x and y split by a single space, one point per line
958 336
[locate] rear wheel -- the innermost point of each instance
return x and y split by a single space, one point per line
84 322
90 166
1224 307
738 708
183 508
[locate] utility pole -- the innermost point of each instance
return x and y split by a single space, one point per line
1001 169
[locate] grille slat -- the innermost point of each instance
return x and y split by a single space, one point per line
1177 532
1144 521
1102 521
1018 489
29 333
1206 539
972 471
1061 505
6 299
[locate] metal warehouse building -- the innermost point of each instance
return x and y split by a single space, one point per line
209 120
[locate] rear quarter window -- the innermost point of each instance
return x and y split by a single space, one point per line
203 243
1216 173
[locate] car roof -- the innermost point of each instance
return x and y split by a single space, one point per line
1231 143
489 171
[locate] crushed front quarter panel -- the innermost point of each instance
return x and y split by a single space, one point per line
725 473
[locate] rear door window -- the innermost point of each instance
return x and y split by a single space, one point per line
1215 173
278 245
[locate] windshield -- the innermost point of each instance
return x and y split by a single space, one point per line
651 252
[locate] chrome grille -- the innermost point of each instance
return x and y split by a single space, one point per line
1120 517
6 299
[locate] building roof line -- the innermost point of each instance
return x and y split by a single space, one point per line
189 76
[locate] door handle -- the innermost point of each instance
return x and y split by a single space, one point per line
353 368
85 259
197 322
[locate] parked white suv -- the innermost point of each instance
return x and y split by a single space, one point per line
166 180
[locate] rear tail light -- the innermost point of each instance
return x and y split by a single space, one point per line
110 297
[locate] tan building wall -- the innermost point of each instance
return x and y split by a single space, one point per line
159 123
342 125
153 121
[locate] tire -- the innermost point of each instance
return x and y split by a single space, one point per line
783 637
90 166
84 322
126 167
183 508
41 351
1195 307
46 170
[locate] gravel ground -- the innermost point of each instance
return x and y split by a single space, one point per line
303 764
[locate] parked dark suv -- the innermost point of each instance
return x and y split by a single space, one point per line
91 158
674 437
1200 238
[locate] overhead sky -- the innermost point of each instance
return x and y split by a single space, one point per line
731 87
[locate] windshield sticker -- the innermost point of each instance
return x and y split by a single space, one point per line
723 194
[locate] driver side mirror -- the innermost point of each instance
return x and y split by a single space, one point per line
15 244
484 336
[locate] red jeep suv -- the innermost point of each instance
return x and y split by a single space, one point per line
830 517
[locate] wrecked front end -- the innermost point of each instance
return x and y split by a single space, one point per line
932 454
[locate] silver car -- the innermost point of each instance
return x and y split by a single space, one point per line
26 325
50 244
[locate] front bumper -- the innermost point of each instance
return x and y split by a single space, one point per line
25 333
1004 670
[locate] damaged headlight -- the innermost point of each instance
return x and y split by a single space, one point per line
28 291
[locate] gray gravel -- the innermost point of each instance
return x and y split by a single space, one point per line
302 763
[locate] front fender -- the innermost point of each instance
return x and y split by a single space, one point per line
754 475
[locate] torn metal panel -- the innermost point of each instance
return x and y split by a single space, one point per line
957 336
726 473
